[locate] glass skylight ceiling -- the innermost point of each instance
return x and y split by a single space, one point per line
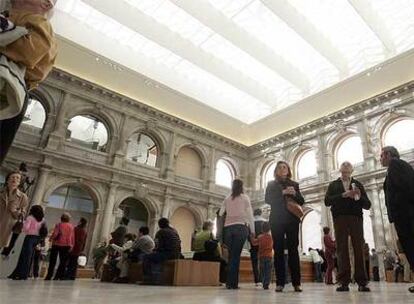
245 58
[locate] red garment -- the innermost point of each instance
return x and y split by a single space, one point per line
329 243
63 235
265 243
80 241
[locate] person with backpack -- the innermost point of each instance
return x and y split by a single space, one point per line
35 229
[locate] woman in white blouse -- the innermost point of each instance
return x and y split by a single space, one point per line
238 213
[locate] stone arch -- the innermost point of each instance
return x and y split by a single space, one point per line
201 154
295 156
230 160
151 206
197 213
46 99
105 117
262 170
386 121
86 185
334 141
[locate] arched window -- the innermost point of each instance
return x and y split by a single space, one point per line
311 230
142 149
87 131
306 165
400 135
224 173
268 173
350 150
136 212
188 163
35 115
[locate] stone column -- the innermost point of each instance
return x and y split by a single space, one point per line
169 171
58 134
122 144
153 225
108 212
39 191
211 180
167 203
321 159
366 142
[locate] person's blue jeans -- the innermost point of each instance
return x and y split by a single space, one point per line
265 271
254 259
318 272
234 238
22 269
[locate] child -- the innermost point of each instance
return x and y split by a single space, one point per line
265 243
35 53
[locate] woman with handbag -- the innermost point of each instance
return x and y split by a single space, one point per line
13 206
63 239
238 212
284 197
35 229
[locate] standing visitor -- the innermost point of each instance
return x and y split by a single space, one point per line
330 248
35 229
347 197
284 197
80 235
317 264
374 261
399 199
62 242
264 242
13 206
238 212
258 224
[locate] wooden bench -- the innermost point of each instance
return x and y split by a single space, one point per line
174 272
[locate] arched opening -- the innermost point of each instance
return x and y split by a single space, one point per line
142 149
136 212
77 202
349 149
88 132
306 165
35 115
225 173
311 230
400 135
268 173
189 163
184 221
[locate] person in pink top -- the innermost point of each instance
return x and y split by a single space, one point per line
330 248
34 228
238 213
62 242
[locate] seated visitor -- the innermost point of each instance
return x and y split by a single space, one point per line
123 251
211 253
167 247
143 245
99 255
201 237
264 242
118 237
25 62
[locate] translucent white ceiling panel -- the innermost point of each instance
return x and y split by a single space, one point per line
322 42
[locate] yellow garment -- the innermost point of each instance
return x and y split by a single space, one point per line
37 50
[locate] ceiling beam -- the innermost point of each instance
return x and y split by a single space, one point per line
148 27
374 22
296 21
225 27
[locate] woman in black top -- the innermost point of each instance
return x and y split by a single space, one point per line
283 222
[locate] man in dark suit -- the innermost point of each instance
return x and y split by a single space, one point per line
347 197
399 199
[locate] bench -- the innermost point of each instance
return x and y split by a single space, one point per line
174 272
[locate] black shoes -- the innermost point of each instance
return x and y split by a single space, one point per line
297 288
364 289
411 289
342 288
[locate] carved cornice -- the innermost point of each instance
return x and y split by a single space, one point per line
102 93
332 119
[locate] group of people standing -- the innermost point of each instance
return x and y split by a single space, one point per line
346 198
67 242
